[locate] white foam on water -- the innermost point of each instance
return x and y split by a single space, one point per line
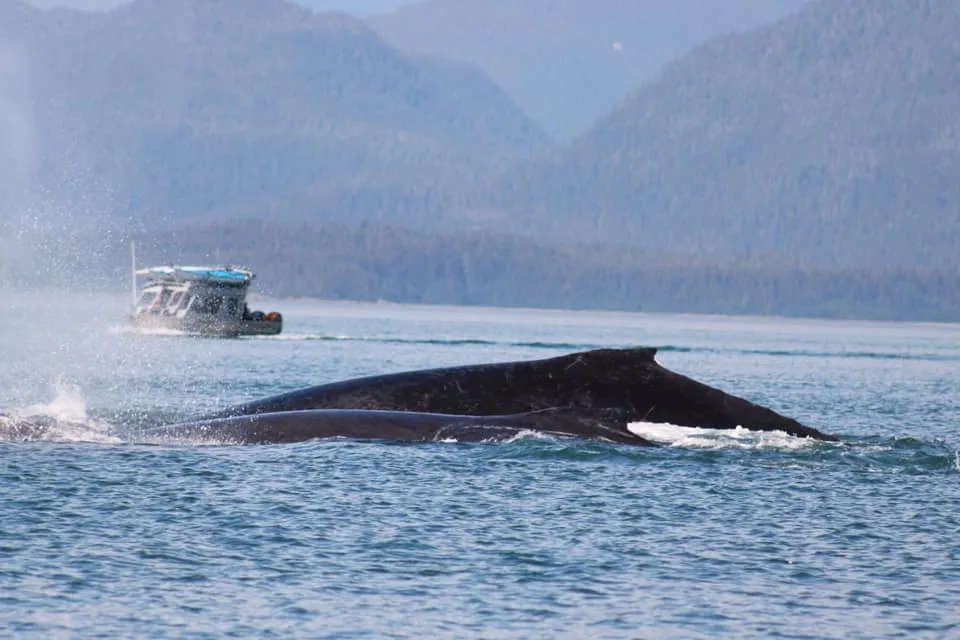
520 436
188 440
157 331
17 429
63 419
525 434
701 438
121 328
301 337
145 331
68 404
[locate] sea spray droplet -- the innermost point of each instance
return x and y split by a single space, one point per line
63 419
68 404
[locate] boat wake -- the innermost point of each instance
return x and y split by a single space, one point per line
444 342
147 331
928 356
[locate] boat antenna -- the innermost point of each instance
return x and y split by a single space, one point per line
133 270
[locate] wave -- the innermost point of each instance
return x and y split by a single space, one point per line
15 428
874 454
147 331
587 346
702 438
902 454
802 353
741 448
68 404
65 419
446 342
694 445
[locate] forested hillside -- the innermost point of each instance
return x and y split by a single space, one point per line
167 109
830 138
374 262
356 7
380 262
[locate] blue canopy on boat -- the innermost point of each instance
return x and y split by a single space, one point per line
175 272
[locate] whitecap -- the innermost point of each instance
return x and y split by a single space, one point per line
703 438
63 419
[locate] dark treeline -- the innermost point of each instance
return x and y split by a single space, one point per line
374 262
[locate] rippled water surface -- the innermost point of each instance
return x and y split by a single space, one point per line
731 534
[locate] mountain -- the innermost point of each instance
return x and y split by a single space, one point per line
356 7
178 108
830 138
82 5
803 168
567 62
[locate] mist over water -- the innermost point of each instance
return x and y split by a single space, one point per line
26 220
17 135
360 7
17 154
57 217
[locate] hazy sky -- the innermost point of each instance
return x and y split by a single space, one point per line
359 7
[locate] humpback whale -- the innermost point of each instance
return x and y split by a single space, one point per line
14 429
299 426
591 394
628 380
302 425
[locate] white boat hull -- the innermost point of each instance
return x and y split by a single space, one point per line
216 327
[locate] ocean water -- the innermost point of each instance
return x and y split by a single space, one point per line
714 534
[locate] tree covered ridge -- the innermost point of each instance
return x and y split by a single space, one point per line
829 138
383 262
172 110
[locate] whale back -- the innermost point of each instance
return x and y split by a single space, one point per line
302 425
627 379
588 379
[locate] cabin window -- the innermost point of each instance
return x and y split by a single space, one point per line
199 304
175 300
232 306
211 305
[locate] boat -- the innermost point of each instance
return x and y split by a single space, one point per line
200 300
